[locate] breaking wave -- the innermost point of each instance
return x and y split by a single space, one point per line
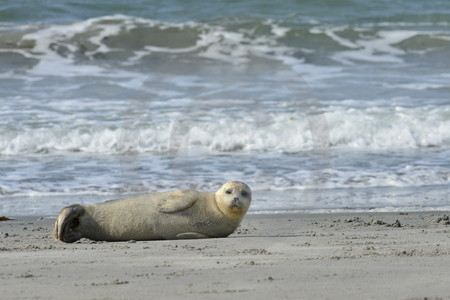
92 46
370 128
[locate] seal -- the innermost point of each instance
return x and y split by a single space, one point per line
185 214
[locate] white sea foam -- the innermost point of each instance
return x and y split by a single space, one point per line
420 86
76 50
370 128
57 46
379 49
375 46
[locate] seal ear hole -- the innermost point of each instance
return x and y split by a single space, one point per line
229 191
244 194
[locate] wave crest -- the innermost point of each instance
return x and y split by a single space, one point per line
91 46
373 128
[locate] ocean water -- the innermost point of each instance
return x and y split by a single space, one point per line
317 105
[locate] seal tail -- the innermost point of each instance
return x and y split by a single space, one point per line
67 222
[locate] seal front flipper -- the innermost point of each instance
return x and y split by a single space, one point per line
177 201
191 235
67 223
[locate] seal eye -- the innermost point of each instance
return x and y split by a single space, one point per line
244 194
229 191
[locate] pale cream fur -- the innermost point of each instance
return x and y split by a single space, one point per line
166 215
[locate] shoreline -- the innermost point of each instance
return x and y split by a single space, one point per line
380 199
349 255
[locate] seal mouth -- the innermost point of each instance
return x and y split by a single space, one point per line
235 204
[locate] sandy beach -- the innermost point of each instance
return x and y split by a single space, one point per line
335 113
283 256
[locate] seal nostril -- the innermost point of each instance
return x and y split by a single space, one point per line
235 199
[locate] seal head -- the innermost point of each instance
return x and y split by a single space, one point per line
234 198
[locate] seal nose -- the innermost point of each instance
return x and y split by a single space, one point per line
235 202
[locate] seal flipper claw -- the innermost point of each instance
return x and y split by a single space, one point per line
67 223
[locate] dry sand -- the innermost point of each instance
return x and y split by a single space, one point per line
277 256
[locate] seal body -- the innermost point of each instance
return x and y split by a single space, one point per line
167 215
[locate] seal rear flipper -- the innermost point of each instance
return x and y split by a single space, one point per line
67 222
191 235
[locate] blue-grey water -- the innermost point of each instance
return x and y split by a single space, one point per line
342 99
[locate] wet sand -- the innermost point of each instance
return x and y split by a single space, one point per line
283 256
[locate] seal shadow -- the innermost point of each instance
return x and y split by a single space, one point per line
267 236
